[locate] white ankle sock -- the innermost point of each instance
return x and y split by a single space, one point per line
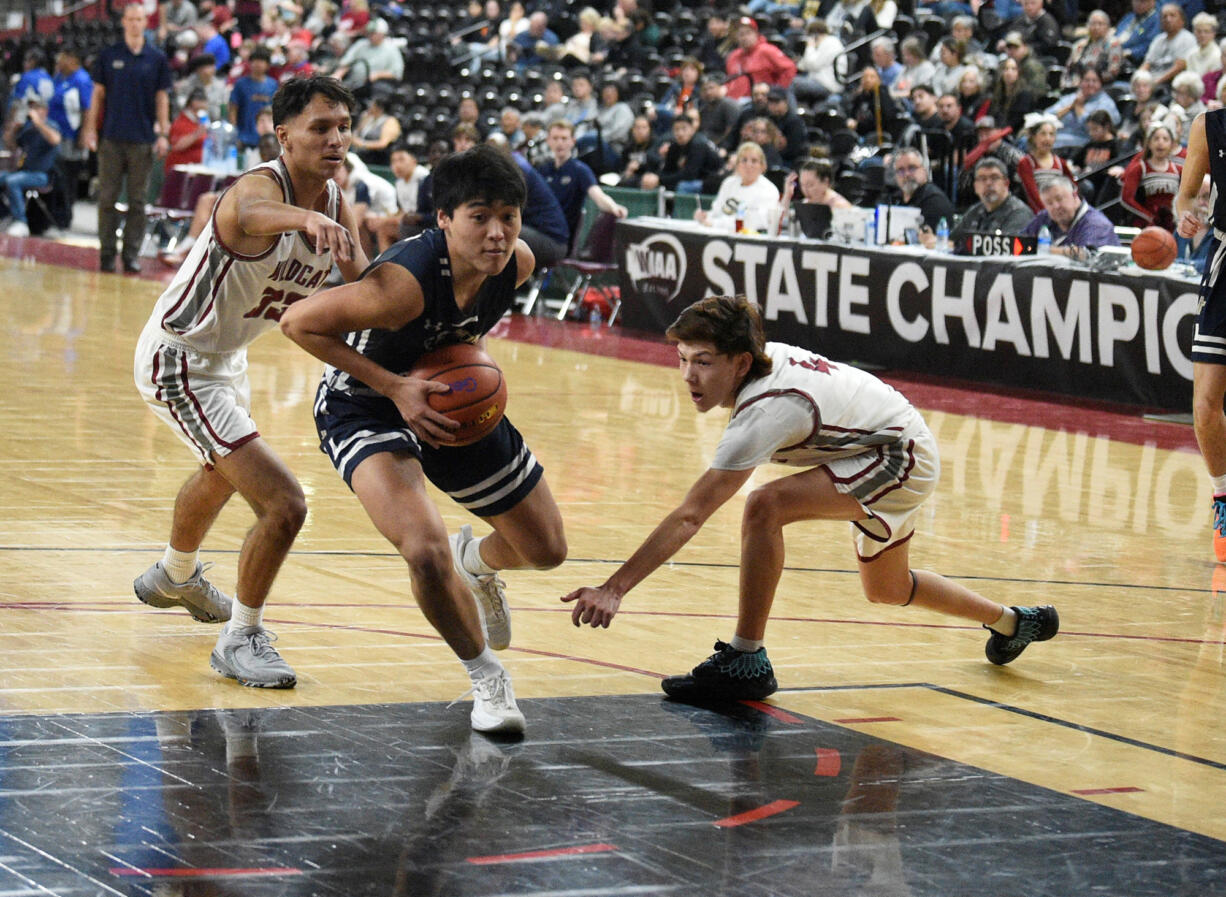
243 617
748 645
1219 485
180 566
484 664
472 561
1006 624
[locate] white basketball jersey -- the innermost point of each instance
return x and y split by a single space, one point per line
221 300
852 411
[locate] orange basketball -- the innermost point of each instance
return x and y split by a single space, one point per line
478 393
1154 248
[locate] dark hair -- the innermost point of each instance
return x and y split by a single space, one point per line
295 94
483 173
202 59
994 163
821 168
1102 118
401 146
262 53
732 324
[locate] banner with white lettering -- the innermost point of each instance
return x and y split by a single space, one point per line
1035 323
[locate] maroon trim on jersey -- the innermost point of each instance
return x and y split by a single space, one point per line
174 412
875 463
774 393
188 290
902 477
868 560
217 282
276 176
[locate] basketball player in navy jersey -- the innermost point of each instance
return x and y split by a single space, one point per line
272 239
445 286
1207 155
865 455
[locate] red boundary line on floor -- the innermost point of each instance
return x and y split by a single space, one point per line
555 853
774 808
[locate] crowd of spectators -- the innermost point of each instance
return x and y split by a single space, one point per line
960 110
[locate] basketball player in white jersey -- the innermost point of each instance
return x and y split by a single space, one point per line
866 456
272 239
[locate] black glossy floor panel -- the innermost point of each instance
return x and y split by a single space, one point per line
607 796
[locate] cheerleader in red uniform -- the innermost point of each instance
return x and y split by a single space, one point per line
1151 180
1041 164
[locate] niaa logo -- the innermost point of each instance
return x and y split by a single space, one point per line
656 266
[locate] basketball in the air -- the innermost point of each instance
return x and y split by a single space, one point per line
1154 248
477 395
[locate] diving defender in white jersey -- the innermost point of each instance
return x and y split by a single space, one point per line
271 241
867 457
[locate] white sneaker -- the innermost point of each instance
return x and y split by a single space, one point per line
494 708
488 589
18 229
250 658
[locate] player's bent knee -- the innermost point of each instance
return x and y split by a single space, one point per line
761 509
896 596
429 560
547 553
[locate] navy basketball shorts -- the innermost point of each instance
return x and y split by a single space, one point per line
488 478
1209 338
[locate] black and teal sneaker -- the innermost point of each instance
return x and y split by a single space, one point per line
1034 624
727 675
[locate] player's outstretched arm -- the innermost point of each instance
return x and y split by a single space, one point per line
387 298
1195 167
352 267
252 211
597 606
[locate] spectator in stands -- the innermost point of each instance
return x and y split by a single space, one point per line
822 67
212 41
997 211
992 144
877 15
1151 180
1213 78
757 107
297 61
1185 104
961 130
1033 72
371 59
689 159
374 133
37 140
528 48
1167 54
916 189
132 86
795 137
814 179
843 16
509 28
582 109
73 92
1098 181
1197 250
585 43
916 68
1137 30
250 94
615 118
1074 224
755 60
1207 57
766 134
204 77
962 29
924 108
35 81
717 114
1012 100
425 190
1037 27
885 59
535 147
1145 108
1096 50
950 67
174 17
510 123
187 132
404 222
870 109
971 94
469 113
572 181
1041 164
555 101
718 42
683 94
623 47
544 224
641 155
745 195
1073 109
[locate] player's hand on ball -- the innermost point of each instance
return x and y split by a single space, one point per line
432 427
596 607
324 233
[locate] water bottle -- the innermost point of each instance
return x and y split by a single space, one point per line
232 160
1044 246
206 157
870 232
942 236
593 317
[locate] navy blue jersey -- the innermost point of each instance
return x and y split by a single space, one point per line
441 322
1215 138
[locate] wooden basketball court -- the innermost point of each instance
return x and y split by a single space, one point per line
894 759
